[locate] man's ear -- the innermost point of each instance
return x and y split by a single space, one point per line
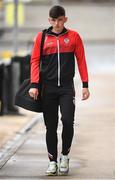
66 19
49 19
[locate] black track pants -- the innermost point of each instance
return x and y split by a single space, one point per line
53 97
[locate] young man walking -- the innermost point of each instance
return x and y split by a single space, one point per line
58 67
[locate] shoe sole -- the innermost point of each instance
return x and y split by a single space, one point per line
63 173
51 174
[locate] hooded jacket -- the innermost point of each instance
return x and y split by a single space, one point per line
58 59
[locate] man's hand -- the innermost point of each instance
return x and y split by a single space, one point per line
33 92
85 93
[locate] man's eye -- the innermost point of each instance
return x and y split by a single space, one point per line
53 19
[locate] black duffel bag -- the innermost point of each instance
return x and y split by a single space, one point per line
22 98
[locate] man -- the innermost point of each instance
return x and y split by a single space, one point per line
58 66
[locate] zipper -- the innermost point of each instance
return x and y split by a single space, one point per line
58 61
59 66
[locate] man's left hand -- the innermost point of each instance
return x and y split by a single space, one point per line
85 93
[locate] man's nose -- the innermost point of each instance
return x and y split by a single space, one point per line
56 22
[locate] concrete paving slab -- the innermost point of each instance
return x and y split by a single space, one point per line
12 124
11 146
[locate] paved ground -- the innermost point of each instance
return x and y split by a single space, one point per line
10 125
92 154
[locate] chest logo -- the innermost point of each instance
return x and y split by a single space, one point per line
66 40
49 43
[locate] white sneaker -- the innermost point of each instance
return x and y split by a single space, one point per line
64 165
52 169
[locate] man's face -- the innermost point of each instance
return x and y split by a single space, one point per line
58 23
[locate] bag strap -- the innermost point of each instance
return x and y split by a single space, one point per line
42 44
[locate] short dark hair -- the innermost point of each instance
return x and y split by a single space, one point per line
56 11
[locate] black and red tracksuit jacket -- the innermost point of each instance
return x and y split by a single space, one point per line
58 59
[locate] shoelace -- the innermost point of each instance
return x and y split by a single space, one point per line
64 162
51 166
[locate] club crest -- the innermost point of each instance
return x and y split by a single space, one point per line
66 40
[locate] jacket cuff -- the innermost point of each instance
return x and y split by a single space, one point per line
34 85
85 84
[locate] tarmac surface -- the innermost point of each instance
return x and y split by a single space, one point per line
92 154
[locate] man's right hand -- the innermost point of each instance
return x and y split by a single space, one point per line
33 92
